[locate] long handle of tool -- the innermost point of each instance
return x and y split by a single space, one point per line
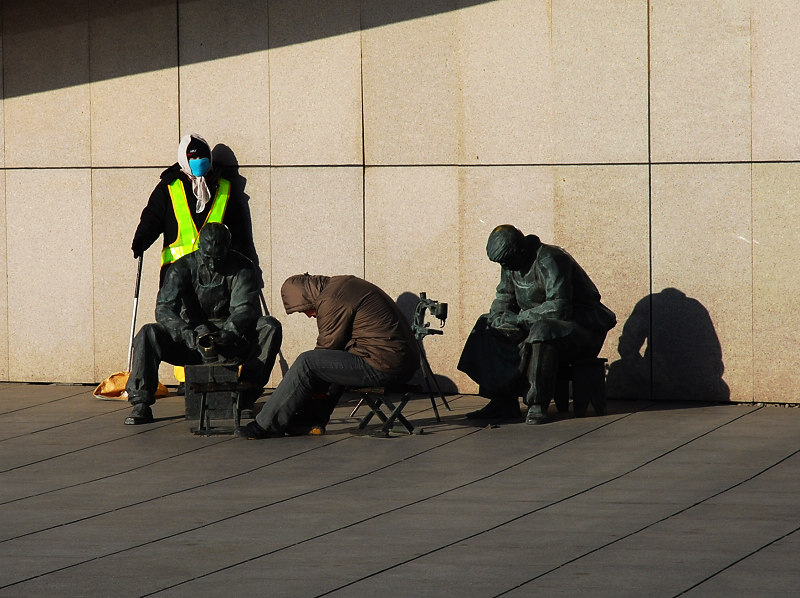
282 363
135 309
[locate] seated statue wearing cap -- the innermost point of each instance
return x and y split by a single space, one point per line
546 311
210 297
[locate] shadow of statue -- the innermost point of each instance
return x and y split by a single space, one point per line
226 160
682 357
407 302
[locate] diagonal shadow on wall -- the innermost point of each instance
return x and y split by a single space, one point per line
51 44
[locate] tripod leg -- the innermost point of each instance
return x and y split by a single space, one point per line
431 382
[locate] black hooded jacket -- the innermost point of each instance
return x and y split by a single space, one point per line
158 217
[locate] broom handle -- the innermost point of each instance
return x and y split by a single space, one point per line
135 308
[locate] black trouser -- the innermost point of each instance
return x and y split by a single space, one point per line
310 372
506 367
153 344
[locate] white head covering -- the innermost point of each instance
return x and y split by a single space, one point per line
199 187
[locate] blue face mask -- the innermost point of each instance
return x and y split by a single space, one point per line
199 166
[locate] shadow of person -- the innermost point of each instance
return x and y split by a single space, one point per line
682 354
407 302
226 160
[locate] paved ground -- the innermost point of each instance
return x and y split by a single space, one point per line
652 499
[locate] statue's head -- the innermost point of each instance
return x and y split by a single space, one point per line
506 246
213 245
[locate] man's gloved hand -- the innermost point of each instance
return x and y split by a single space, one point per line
225 338
138 248
189 338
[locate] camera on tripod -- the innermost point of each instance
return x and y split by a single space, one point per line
437 309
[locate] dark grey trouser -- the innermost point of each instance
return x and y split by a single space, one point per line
507 367
153 344
308 373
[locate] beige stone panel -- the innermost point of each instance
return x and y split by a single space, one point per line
702 248
600 73
506 82
488 197
224 79
776 80
115 216
2 110
776 304
4 371
134 83
700 80
315 87
412 246
601 216
49 290
412 111
316 227
45 82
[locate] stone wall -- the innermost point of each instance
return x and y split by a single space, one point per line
659 142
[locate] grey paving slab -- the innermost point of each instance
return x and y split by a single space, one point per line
772 572
591 506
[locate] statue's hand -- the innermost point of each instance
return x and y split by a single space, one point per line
225 338
189 338
505 321
528 317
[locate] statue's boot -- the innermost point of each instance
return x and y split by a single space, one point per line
498 408
541 373
140 414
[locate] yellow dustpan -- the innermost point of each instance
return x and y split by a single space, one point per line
113 387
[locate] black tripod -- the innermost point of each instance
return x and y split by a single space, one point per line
421 330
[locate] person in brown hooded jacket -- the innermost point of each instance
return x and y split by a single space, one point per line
363 340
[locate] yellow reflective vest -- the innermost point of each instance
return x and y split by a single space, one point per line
186 241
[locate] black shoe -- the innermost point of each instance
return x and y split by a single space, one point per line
253 431
141 414
497 409
536 415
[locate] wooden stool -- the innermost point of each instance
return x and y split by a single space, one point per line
588 377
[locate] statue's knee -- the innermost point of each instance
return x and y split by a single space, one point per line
149 333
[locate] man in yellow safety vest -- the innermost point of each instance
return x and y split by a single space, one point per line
191 193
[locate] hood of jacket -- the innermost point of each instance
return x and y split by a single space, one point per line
300 292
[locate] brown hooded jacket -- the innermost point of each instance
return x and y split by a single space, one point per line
356 316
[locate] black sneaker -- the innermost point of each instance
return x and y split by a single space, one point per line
253 431
141 414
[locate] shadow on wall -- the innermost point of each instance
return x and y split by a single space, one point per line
226 160
259 26
682 355
407 302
